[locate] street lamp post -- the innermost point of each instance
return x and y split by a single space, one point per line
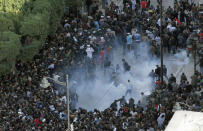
83 8
161 22
68 102
195 48
194 53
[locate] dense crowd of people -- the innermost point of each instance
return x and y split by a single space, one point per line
25 105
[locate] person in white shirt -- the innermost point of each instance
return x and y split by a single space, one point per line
56 77
159 22
171 28
143 100
133 4
68 35
51 66
161 120
129 88
89 51
125 125
158 40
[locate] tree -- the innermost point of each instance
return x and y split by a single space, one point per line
74 3
21 18
36 25
9 48
56 15
7 24
29 51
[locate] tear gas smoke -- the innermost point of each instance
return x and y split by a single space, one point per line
100 92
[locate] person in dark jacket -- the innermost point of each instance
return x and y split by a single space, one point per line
126 66
182 16
158 71
88 3
172 44
165 71
165 41
172 79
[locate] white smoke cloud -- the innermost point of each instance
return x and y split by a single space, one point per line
101 92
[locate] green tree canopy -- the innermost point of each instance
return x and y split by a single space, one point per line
35 25
20 18
6 24
9 48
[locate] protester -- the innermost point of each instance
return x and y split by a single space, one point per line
89 51
126 66
129 88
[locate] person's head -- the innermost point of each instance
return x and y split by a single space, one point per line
128 81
